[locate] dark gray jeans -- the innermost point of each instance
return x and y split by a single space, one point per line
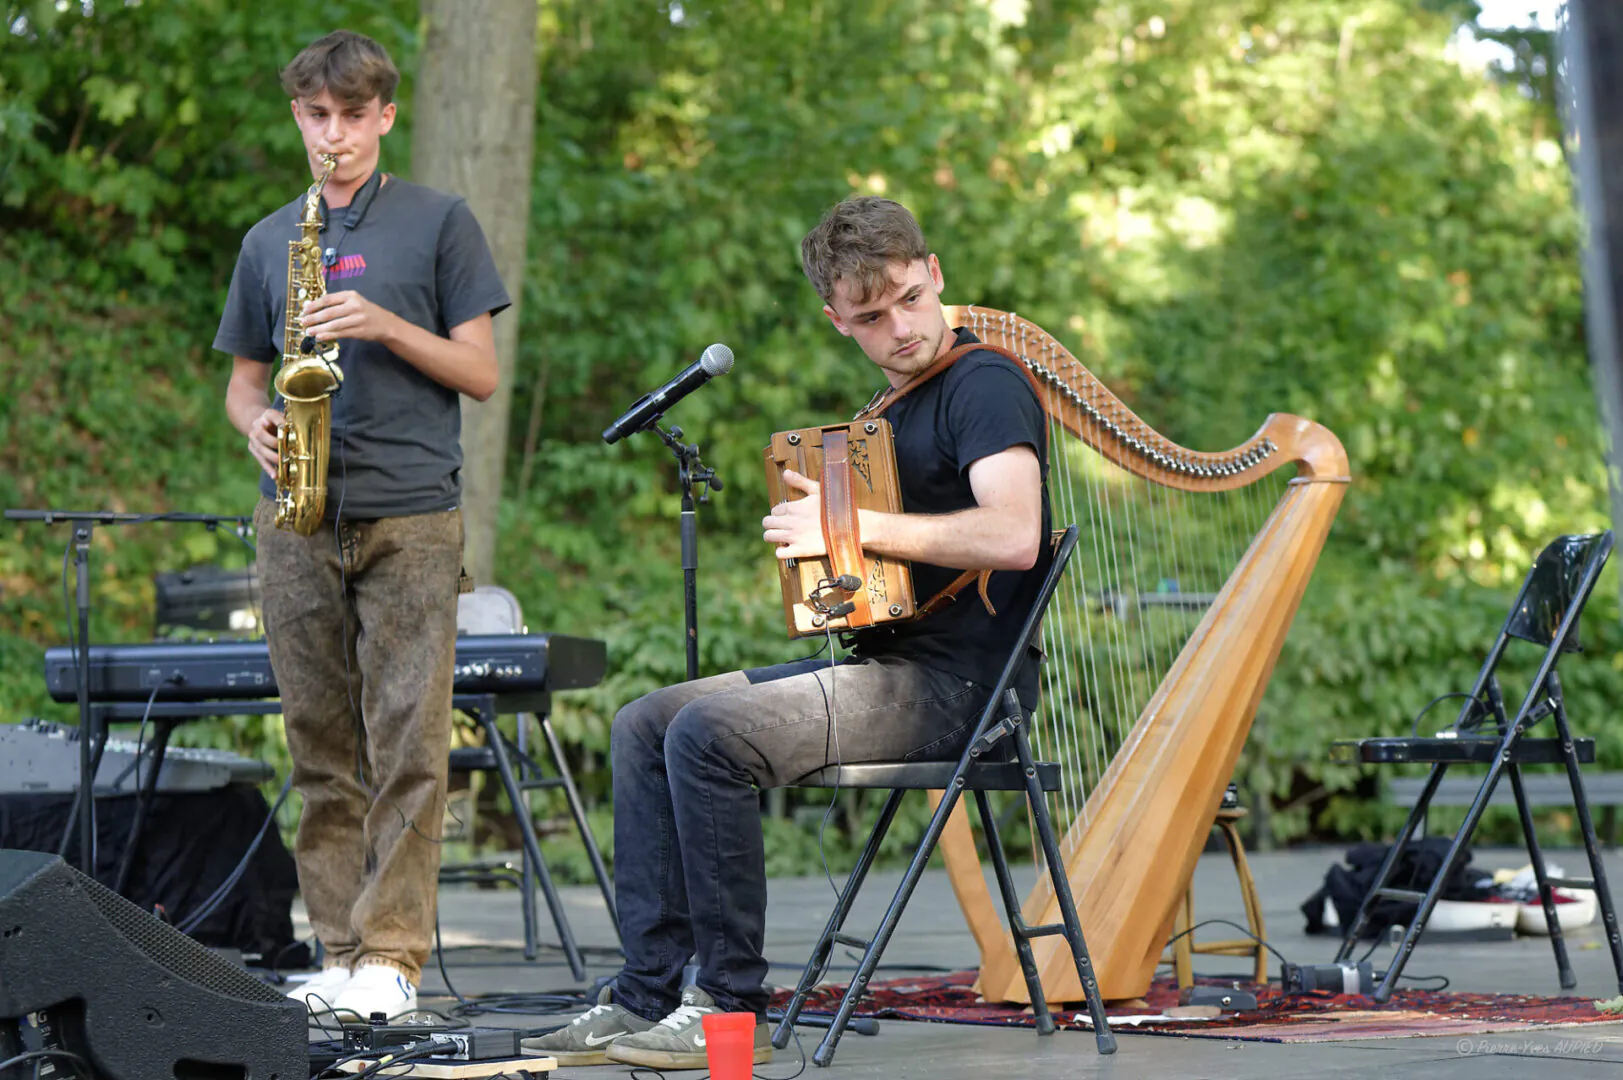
689 861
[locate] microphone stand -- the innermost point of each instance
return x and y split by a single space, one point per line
691 475
84 524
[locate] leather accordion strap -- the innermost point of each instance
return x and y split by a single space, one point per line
842 536
889 396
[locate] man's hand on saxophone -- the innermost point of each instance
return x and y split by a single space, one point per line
347 314
246 406
464 360
262 434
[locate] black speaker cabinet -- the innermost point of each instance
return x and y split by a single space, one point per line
84 970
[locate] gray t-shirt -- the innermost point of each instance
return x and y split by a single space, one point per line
396 434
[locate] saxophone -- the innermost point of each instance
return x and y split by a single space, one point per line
307 380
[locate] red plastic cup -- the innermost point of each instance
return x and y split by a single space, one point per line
729 1045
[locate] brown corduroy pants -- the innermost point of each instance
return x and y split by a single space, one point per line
361 623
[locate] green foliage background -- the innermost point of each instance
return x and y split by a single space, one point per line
1225 207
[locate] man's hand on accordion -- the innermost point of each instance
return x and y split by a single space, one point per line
796 525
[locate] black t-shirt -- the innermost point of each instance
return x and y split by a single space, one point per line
396 434
980 406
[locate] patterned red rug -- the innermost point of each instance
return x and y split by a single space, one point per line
1314 1017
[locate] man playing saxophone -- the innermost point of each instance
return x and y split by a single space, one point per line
360 614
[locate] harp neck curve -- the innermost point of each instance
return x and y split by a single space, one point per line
1076 399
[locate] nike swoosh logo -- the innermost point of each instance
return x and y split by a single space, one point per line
599 1040
698 1040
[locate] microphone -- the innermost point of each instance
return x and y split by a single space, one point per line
717 360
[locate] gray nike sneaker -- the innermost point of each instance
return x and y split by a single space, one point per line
588 1037
677 1042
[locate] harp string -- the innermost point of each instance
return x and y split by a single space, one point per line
1101 673
1091 704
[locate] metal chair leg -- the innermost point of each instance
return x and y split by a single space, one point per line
1586 824
1428 901
824 1054
1011 905
1104 1038
817 965
1552 922
1349 942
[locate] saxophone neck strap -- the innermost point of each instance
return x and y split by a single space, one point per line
352 216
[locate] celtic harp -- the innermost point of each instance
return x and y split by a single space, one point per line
1158 648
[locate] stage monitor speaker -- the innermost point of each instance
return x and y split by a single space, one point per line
134 997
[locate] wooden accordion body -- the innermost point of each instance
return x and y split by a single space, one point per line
1130 850
856 465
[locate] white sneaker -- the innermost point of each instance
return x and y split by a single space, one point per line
377 988
318 992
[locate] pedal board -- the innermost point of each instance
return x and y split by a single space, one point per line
456 1043
378 1036
461 1051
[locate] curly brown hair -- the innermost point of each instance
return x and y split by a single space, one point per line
859 240
353 66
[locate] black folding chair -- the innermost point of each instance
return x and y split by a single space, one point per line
974 772
1546 613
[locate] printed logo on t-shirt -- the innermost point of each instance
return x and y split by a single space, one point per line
347 266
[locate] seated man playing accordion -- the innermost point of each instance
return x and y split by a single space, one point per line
971 457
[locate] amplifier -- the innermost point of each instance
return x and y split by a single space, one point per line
208 598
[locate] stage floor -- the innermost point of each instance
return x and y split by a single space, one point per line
482 929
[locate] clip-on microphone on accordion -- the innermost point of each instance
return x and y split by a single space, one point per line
846 583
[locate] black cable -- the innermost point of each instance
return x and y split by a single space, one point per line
1414 728
191 923
81 1067
519 1004
317 1014
522 1004
1235 925
1433 989
439 957
831 734
389 1058
140 735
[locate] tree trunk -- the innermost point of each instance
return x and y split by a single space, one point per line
473 133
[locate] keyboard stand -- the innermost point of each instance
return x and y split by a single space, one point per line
520 774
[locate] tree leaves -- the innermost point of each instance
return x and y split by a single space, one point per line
1226 208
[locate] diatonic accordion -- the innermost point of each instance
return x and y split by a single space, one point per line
849 588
